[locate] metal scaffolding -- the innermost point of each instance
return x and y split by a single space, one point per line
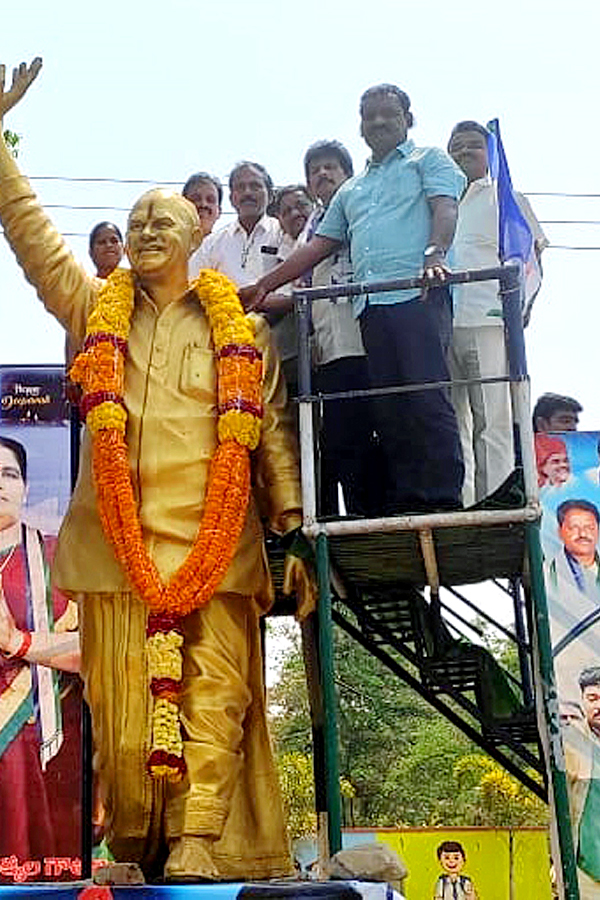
362 562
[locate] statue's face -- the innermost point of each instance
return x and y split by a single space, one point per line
162 231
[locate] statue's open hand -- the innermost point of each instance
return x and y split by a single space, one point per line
298 574
23 75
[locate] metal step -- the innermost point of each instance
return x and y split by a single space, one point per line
452 674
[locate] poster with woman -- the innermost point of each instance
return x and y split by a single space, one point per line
568 477
40 692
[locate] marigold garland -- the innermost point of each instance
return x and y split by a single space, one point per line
100 369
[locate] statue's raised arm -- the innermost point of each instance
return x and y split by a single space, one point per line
61 283
23 76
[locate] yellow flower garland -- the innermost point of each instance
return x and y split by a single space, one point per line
100 369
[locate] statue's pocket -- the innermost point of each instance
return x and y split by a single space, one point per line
198 377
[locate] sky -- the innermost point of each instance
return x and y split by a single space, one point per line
156 91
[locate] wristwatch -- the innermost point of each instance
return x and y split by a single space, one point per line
433 250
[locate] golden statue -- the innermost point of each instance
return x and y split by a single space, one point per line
156 527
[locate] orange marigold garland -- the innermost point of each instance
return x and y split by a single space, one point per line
100 369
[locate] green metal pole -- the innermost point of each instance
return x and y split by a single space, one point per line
550 703
332 784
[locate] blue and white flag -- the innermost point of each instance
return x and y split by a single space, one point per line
515 238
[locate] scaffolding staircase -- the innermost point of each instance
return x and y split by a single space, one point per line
393 584
384 623
431 651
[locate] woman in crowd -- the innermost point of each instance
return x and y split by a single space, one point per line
106 250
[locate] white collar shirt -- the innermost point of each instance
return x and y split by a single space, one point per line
241 256
475 246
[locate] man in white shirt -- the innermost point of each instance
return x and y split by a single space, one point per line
206 193
248 248
478 349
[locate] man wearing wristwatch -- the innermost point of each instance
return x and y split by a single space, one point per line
398 217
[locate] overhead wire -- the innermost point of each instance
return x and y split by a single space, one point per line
154 182
107 180
126 209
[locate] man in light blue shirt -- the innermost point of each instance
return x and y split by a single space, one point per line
386 211
398 217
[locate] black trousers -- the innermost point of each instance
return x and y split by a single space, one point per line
406 343
350 454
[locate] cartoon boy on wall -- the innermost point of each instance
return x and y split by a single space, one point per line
451 885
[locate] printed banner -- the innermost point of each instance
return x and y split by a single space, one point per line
568 466
474 863
40 691
33 394
459 863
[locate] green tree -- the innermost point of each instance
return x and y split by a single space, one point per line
503 650
298 792
12 141
407 765
490 796
420 788
395 750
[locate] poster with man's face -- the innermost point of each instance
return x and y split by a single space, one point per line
568 467
40 702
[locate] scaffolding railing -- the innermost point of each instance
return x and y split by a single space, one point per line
510 293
